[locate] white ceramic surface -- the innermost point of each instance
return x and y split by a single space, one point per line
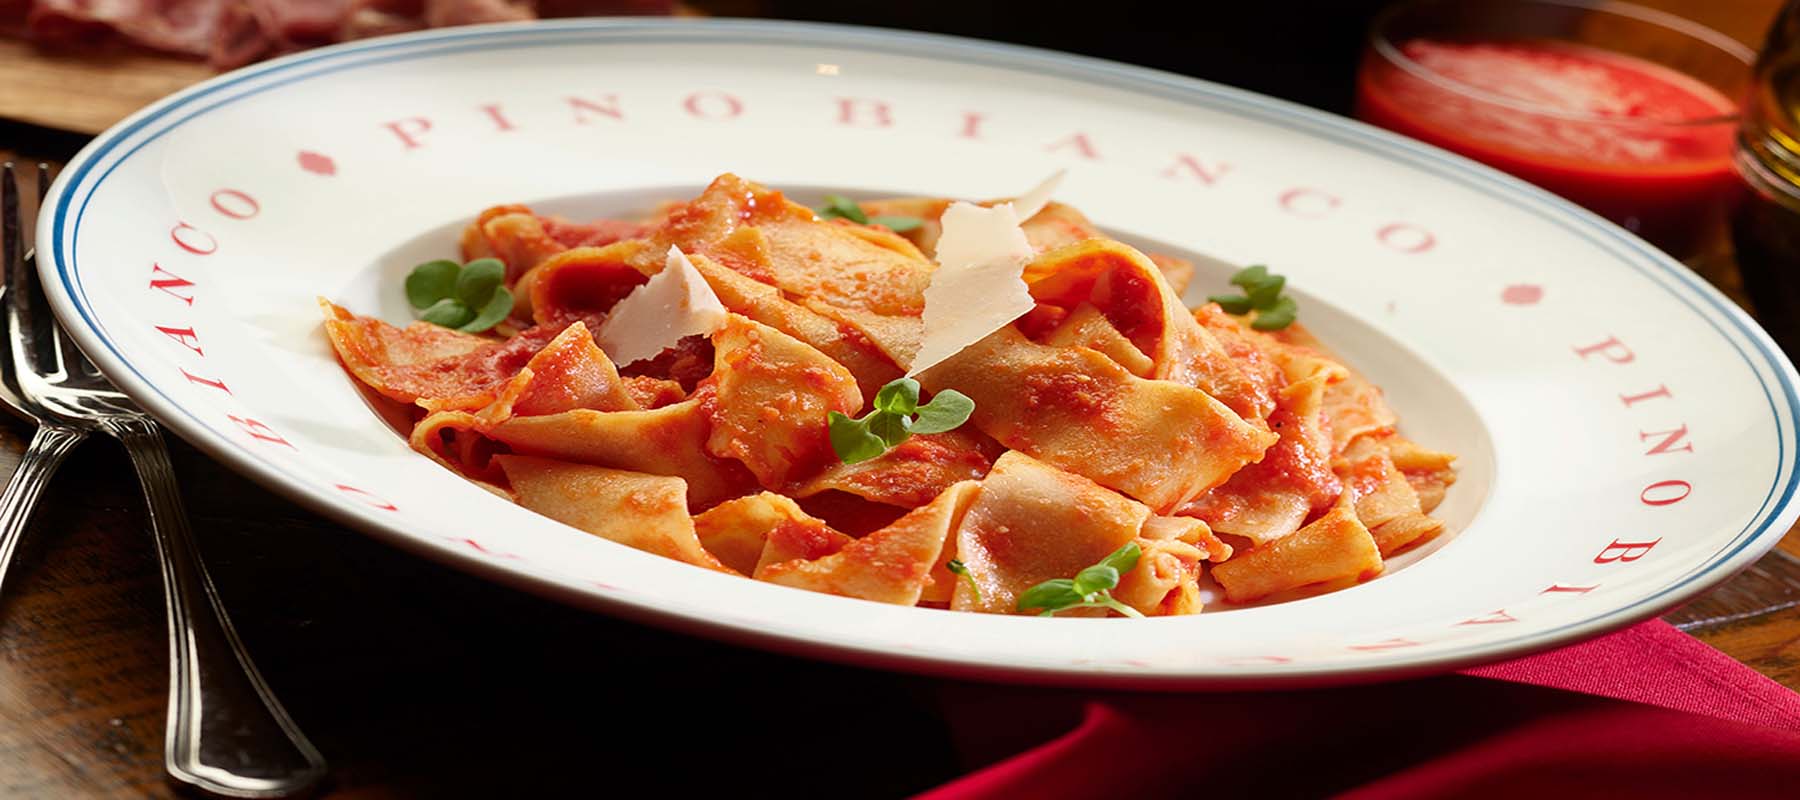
1627 435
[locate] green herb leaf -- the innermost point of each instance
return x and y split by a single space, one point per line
947 411
896 223
448 312
430 282
469 297
1250 277
1098 577
852 439
892 420
891 429
1090 588
956 568
1262 294
1052 595
1277 317
1232 303
498 307
1265 294
478 281
898 397
1123 559
839 206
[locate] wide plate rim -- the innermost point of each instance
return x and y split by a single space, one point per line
780 33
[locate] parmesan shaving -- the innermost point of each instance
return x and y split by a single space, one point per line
673 304
1030 203
978 286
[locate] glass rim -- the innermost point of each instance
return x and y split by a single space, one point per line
1744 54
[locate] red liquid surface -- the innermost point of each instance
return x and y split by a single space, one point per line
1617 134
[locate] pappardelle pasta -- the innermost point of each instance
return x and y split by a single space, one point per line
745 384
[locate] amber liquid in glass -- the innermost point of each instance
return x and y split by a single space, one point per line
1765 222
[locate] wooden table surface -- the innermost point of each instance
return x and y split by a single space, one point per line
417 680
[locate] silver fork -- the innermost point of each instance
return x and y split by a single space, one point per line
227 734
52 441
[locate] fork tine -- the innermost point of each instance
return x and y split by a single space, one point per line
73 360
23 306
9 245
9 220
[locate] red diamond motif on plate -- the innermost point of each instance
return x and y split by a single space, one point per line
317 164
1522 294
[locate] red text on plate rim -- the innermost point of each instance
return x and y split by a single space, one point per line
414 133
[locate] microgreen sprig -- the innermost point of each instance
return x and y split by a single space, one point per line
838 206
962 572
896 417
1090 588
468 297
1262 292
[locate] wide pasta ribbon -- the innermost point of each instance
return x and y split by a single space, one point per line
1080 410
1033 522
647 512
1099 415
759 233
1128 290
767 402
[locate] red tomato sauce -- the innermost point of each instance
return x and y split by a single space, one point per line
808 539
1133 304
1291 464
1617 134
585 288
687 363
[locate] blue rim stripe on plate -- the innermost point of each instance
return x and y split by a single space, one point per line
1634 252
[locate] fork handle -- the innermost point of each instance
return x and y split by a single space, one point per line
49 446
227 733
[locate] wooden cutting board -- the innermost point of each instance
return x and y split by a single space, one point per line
86 91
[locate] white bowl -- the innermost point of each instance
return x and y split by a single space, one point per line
1626 434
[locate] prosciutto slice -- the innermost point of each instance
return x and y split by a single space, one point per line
177 26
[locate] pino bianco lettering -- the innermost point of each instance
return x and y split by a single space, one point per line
1557 588
193 240
493 112
1663 493
1624 552
235 204
585 109
260 431
186 336
1666 441
971 127
1310 203
1633 399
170 283
713 105
1406 238
1080 143
192 378
858 112
1611 349
1188 166
410 131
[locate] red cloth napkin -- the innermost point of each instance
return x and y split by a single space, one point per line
1647 712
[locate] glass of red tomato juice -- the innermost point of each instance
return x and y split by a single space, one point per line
1626 110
